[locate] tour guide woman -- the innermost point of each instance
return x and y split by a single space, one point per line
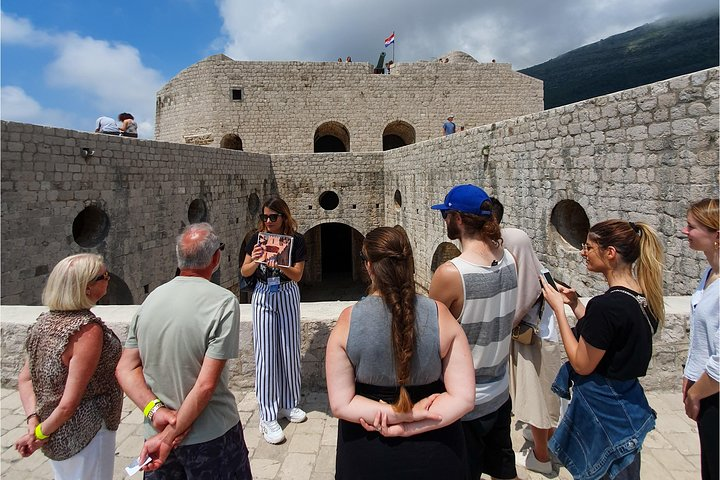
602 432
398 347
276 322
702 370
67 385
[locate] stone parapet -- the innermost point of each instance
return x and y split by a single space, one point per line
317 321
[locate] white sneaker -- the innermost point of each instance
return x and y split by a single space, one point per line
295 415
527 459
272 432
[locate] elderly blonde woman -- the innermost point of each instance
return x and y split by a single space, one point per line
67 385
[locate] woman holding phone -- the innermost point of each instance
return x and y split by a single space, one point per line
602 433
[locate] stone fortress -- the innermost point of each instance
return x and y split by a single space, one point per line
325 136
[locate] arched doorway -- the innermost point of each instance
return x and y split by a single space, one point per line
231 141
398 134
331 137
244 297
118 293
333 270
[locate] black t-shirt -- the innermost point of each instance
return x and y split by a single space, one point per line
298 254
614 322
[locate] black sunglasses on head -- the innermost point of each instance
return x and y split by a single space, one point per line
272 217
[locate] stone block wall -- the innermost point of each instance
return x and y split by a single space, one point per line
284 103
642 155
144 188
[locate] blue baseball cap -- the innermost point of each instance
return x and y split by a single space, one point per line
466 199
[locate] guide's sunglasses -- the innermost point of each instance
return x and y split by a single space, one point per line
272 217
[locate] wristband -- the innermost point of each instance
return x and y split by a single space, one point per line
154 409
39 434
27 419
151 405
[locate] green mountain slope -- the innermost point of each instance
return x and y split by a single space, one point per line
647 54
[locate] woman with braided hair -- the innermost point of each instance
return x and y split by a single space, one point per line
399 375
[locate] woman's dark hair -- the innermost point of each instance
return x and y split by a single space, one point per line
278 205
486 227
393 272
636 243
125 116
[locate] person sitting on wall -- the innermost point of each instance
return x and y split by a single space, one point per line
128 127
348 59
107 126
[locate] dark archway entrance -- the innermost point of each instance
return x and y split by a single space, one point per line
118 293
331 137
398 134
334 270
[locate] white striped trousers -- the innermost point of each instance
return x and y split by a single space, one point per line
276 341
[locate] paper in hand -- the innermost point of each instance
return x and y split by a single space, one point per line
135 466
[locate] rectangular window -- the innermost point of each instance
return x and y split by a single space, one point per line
236 94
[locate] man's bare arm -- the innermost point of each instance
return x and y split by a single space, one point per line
446 287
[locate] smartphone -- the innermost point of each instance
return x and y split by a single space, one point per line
548 278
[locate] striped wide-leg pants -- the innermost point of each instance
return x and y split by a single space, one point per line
276 341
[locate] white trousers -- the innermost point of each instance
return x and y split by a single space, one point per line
276 341
94 462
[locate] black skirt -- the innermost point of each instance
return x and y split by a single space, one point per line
435 454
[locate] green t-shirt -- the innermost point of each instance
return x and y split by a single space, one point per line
177 326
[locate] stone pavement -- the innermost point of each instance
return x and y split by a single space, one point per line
670 452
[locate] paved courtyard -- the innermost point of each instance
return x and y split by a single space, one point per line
670 452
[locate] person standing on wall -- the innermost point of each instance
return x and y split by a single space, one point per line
702 369
276 322
449 125
480 289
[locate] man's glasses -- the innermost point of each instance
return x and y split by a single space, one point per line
272 217
221 247
445 213
104 276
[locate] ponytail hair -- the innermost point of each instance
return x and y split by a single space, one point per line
637 244
393 271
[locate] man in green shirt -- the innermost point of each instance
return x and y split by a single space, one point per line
174 368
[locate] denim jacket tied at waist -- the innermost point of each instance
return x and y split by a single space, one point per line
604 426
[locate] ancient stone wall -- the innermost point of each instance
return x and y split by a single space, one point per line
282 105
127 201
641 155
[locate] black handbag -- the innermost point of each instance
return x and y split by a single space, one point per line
247 284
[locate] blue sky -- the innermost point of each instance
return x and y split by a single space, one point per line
64 63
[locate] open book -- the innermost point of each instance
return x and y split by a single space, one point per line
275 245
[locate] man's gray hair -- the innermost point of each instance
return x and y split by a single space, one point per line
195 246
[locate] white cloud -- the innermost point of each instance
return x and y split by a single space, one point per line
18 106
16 30
111 75
512 31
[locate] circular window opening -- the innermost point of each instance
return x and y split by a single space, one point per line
329 200
398 199
90 227
197 211
253 204
571 222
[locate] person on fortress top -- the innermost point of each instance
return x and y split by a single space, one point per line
449 125
480 289
107 126
174 367
128 127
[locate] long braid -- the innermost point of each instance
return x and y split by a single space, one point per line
393 277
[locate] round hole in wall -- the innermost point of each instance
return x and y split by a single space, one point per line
571 222
329 200
253 204
197 211
398 199
90 226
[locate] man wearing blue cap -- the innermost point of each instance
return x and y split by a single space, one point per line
480 289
